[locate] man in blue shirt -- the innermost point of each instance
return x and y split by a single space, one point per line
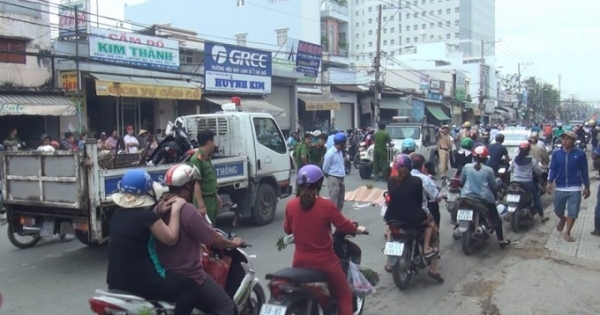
330 139
334 169
568 170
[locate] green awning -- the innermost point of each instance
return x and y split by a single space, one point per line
437 112
393 103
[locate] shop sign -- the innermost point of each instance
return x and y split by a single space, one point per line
66 17
461 87
104 88
308 59
69 80
37 110
133 49
314 106
237 69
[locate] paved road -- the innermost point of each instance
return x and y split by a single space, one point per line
58 278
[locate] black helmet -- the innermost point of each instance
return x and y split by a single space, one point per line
499 138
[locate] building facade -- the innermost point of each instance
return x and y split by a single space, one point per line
410 22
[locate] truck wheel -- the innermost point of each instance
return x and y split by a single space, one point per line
83 237
365 173
30 241
265 205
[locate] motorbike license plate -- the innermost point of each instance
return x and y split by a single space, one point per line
452 197
393 249
464 215
47 228
383 210
270 309
513 198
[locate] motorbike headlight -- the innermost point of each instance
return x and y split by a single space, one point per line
370 152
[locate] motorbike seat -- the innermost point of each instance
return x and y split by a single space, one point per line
474 203
409 229
120 294
299 275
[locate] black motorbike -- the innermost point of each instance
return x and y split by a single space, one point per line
174 148
296 291
347 162
520 203
556 144
474 223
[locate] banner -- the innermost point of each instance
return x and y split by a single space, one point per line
236 69
104 88
68 80
133 49
308 59
37 110
66 17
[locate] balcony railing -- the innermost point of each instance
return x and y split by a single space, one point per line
334 7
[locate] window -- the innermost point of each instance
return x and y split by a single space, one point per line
357 24
416 14
357 35
448 36
439 24
392 43
424 13
385 31
391 18
431 12
370 44
370 32
448 11
456 22
456 35
408 15
385 18
423 26
447 23
14 45
408 27
241 39
431 36
384 42
401 133
370 21
423 1
439 11
416 2
357 12
415 27
282 36
416 39
431 25
269 135
370 9
240 3
356 2
357 47
430 1
392 53
370 55
457 9
408 40
391 29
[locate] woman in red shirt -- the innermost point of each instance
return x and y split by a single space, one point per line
309 217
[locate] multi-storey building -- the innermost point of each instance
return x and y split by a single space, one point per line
410 22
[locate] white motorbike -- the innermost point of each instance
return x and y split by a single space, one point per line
248 298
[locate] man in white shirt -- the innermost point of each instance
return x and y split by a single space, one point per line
131 142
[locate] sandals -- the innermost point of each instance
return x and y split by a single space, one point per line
434 251
504 243
544 219
436 277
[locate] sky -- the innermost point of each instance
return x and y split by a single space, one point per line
556 36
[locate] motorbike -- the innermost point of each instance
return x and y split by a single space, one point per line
404 251
452 196
30 230
174 148
580 144
361 147
556 144
347 162
520 202
248 298
296 291
474 223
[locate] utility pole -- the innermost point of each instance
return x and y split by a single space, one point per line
377 65
519 79
78 73
481 84
558 101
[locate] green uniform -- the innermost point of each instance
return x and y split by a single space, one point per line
301 150
380 162
558 132
208 184
316 154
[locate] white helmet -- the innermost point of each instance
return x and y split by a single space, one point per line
46 148
181 174
317 133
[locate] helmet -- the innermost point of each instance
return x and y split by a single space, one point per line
409 144
340 137
569 127
466 143
417 160
466 124
559 124
403 160
444 126
309 174
592 122
181 174
317 133
535 134
47 148
55 144
481 152
135 182
473 135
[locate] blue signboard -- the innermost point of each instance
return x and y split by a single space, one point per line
418 110
111 184
237 69
435 96
308 59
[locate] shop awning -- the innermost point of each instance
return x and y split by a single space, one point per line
250 105
36 105
316 102
437 111
394 103
352 88
131 86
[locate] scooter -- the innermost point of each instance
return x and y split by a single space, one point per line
26 231
452 197
296 291
248 298
347 162
474 223
174 148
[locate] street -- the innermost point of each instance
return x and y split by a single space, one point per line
58 277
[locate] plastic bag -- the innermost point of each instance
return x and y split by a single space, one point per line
359 285
217 268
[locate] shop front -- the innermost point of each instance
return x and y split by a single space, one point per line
346 117
390 106
145 103
314 112
33 115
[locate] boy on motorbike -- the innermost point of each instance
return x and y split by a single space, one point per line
184 257
524 166
479 182
309 218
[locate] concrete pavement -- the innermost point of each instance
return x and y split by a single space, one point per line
58 278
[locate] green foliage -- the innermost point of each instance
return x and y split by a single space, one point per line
541 96
146 311
371 275
280 244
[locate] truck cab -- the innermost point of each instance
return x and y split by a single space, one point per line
424 136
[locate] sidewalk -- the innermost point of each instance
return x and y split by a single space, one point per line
585 246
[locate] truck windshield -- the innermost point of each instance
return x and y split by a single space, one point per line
399 133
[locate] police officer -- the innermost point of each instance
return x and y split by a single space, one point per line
380 162
302 152
206 197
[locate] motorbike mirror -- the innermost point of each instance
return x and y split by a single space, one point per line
179 122
391 164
